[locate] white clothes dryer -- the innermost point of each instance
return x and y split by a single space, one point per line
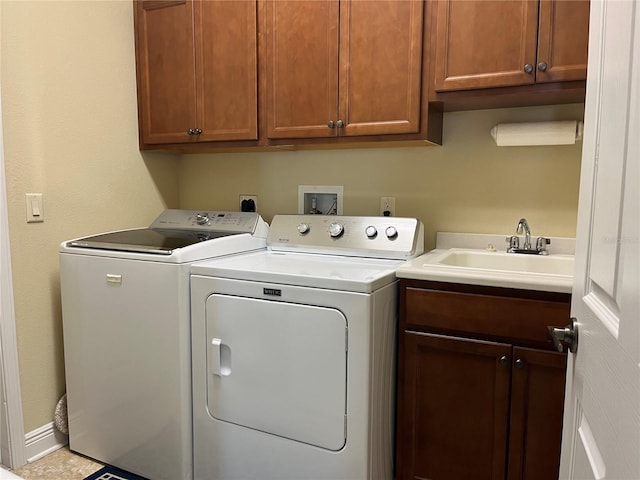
127 342
294 351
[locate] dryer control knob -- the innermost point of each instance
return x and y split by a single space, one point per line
391 232
336 230
202 218
371 231
303 228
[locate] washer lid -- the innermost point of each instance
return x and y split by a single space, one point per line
176 229
146 240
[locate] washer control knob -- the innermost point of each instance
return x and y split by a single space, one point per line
336 230
303 228
202 218
391 232
371 231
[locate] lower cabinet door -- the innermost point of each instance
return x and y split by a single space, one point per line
537 400
453 408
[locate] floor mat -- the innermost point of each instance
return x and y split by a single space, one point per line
112 473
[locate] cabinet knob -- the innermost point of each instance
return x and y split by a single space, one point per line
331 124
503 360
519 363
528 68
198 131
194 131
542 66
340 124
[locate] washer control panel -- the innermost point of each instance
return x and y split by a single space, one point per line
378 237
211 221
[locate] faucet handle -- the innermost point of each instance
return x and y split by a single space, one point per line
514 242
541 244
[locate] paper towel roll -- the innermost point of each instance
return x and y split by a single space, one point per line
537 133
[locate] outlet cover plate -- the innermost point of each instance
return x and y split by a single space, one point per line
248 198
388 206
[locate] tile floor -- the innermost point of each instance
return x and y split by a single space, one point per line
59 465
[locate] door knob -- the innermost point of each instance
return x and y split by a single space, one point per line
542 66
567 335
528 68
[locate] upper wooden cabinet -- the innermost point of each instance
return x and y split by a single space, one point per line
498 43
339 69
197 70
489 44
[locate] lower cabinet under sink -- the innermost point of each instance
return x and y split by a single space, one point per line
480 385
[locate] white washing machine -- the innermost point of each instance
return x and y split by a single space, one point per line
294 351
127 342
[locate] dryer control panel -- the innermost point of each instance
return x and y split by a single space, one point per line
376 237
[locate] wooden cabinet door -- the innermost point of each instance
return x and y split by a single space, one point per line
380 66
226 70
563 40
301 67
537 398
453 408
166 65
484 44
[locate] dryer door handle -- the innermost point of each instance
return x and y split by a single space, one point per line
214 356
219 357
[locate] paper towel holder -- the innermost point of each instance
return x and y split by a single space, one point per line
537 133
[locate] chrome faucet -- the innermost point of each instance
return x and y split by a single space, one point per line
514 241
523 225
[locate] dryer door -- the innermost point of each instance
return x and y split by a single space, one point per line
277 367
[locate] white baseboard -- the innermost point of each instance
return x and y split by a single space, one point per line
42 441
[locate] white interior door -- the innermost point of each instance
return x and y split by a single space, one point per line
601 437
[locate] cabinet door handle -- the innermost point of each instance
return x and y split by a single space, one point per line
519 363
542 66
528 68
503 360
331 124
340 124
191 131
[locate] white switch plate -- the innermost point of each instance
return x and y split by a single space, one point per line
388 204
35 210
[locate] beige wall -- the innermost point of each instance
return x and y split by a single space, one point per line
467 185
70 132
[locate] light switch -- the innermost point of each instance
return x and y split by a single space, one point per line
35 211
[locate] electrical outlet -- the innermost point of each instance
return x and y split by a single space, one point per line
248 203
388 206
